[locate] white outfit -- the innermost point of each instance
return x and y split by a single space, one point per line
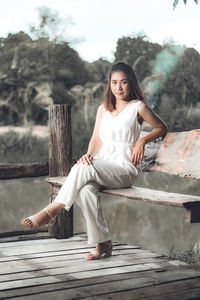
111 167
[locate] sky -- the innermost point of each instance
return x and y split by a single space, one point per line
98 24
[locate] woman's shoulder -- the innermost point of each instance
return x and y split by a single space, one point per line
101 109
141 104
136 104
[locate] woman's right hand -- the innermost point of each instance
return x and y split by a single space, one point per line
85 159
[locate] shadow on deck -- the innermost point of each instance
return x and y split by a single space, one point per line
57 269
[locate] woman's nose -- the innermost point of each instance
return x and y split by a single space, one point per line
119 87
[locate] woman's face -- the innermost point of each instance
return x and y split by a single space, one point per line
119 85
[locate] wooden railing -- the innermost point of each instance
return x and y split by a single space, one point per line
59 164
13 171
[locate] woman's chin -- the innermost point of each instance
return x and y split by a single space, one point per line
120 97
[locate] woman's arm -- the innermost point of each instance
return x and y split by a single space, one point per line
160 128
95 141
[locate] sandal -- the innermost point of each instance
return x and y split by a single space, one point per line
106 251
35 223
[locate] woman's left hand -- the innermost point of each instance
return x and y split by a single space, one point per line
85 159
138 152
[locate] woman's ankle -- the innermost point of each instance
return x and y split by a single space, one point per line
54 208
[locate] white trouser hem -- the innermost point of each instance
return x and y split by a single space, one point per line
93 244
67 208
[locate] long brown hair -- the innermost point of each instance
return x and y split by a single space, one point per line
135 91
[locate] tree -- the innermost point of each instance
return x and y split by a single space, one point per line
185 1
51 26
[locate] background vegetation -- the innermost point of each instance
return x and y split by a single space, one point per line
41 68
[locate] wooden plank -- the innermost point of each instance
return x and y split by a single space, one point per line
179 290
68 252
75 259
57 260
57 180
156 196
26 272
127 286
77 273
43 241
44 247
128 292
12 171
65 267
169 275
149 195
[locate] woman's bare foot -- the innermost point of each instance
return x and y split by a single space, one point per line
44 216
103 249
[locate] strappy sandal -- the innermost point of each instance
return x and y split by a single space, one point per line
35 222
106 251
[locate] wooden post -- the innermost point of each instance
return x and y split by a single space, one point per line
60 162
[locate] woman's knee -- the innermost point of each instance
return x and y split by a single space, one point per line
82 169
89 189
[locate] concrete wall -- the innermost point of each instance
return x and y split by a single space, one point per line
20 198
154 227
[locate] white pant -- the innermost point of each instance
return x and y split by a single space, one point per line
82 186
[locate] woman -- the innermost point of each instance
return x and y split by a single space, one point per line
113 153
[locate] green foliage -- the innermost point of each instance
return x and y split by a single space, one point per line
51 26
137 52
169 76
31 74
16 148
98 71
185 1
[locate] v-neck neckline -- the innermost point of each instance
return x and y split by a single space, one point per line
122 109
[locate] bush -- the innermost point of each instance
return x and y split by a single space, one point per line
27 148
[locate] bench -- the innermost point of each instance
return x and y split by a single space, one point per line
178 154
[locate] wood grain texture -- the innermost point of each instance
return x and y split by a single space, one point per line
138 193
13 171
60 140
60 162
156 196
130 273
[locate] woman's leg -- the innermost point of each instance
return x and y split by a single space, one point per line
105 173
89 201
102 172
43 216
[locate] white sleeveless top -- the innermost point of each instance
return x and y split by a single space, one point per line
118 134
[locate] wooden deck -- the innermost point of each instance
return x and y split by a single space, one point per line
57 269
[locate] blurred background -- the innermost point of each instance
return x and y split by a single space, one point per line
60 52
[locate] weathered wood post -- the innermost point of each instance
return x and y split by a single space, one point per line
60 162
